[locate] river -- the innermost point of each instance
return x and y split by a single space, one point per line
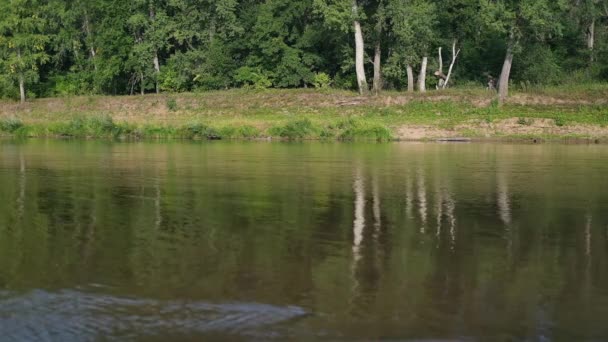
302 241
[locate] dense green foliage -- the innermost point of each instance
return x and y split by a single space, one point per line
71 47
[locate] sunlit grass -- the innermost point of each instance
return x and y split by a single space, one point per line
296 114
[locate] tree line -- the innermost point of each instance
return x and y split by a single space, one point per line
75 47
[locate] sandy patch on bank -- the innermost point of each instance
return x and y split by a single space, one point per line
508 127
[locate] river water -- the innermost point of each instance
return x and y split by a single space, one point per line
302 241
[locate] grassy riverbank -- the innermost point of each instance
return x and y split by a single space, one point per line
552 113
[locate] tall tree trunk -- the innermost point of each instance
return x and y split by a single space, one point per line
503 82
155 60
359 53
22 88
21 79
143 83
410 78
422 76
439 72
591 39
87 29
377 69
440 56
454 56
156 71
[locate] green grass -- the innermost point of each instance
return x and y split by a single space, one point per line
296 114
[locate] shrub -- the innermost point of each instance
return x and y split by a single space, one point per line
525 122
245 131
354 130
94 126
8 88
198 131
537 65
322 81
10 125
171 104
297 129
170 80
559 121
252 78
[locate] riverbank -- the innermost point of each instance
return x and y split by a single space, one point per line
550 114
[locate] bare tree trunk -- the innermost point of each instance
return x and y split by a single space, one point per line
359 53
143 84
410 79
22 88
377 69
503 83
422 76
87 29
440 60
439 72
21 79
157 71
454 56
156 62
591 39
76 52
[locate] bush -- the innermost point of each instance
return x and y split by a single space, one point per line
252 78
198 131
322 81
244 131
94 126
10 125
7 88
559 121
354 130
171 104
297 129
74 83
525 121
537 65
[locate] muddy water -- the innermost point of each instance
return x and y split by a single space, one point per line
259 241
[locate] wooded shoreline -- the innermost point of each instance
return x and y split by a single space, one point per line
300 114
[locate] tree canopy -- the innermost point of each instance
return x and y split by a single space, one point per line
75 47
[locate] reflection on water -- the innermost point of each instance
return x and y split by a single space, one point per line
259 241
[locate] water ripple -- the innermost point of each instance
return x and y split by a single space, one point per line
71 315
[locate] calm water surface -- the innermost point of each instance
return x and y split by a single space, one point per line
303 241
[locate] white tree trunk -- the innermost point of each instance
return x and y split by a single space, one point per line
22 88
440 60
87 29
591 39
377 69
503 83
359 53
143 83
21 79
410 79
439 72
422 76
93 54
155 60
157 71
454 56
